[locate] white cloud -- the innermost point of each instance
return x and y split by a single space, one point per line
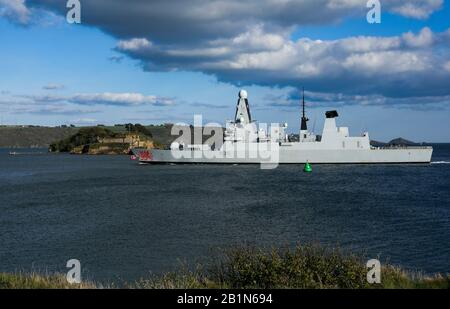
15 10
419 9
385 63
249 42
47 105
447 66
175 20
108 98
363 44
47 98
359 64
134 44
322 99
70 104
257 39
424 39
53 87
51 109
83 121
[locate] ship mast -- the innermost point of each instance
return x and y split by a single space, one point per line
303 102
304 126
243 110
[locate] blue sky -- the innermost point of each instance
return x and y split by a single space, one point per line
122 66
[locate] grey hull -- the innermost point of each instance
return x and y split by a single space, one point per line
287 156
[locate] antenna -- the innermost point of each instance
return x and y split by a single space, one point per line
303 102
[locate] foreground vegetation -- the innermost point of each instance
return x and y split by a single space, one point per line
305 267
40 281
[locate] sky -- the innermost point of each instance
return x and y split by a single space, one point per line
160 61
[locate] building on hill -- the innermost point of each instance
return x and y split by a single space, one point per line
134 140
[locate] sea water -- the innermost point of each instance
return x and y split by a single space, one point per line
123 220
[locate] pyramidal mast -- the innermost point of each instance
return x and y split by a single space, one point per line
243 115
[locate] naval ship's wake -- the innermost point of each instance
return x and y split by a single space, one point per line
441 162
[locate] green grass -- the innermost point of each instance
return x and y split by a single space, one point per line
304 267
40 281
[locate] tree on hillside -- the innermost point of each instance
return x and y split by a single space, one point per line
138 128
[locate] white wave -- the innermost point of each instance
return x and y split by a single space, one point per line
441 162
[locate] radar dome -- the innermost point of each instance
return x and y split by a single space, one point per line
243 94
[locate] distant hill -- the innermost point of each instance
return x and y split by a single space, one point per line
377 144
395 142
42 137
32 137
402 142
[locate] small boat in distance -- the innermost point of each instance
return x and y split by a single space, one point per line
31 153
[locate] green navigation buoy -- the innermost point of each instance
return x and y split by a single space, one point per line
307 168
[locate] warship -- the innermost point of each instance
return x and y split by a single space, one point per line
243 142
